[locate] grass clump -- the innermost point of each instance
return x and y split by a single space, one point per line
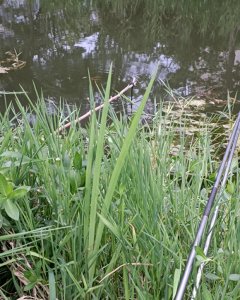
109 211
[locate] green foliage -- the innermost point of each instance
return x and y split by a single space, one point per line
33 276
110 211
8 194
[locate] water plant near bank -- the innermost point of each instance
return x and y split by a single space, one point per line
109 211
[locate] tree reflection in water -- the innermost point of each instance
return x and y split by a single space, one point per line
195 44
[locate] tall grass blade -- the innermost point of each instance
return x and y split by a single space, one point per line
88 184
52 285
118 167
96 177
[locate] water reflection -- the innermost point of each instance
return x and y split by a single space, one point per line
194 44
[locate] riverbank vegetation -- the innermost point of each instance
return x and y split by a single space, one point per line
109 211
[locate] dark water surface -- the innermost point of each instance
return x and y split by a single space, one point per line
197 46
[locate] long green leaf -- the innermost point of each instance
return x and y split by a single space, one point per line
110 226
176 279
87 198
52 285
96 177
119 164
3 185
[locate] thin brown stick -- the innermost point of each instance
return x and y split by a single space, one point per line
124 265
95 109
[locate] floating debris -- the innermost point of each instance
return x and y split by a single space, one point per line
11 62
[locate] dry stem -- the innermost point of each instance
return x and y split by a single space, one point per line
95 109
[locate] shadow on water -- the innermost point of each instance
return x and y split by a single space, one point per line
195 44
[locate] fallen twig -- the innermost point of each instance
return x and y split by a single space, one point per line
95 109
125 265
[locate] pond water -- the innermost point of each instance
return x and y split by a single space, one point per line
195 43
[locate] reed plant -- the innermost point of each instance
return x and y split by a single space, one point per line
109 211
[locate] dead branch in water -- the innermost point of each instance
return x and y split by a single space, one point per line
95 109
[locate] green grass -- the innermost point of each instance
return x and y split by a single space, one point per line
110 211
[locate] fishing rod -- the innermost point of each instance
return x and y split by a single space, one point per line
214 217
213 221
225 165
